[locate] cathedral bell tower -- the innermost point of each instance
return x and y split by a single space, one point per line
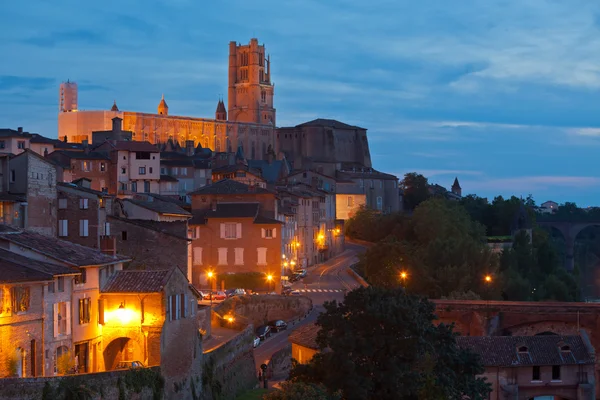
250 94
163 108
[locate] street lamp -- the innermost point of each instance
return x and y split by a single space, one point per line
269 279
403 277
210 275
488 279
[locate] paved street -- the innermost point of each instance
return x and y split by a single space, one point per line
324 282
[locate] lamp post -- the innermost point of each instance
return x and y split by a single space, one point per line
210 275
269 279
403 277
488 280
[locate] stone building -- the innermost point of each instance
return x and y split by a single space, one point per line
251 121
322 144
380 189
304 343
82 215
536 367
349 198
34 178
136 307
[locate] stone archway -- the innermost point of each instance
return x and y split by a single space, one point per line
122 349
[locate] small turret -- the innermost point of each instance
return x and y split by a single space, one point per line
163 108
114 107
221 113
456 189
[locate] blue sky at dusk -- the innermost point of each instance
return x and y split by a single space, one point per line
505 95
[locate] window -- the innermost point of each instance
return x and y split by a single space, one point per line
61 283
123 170
184 171
62 203
240 174
63 228
102 167
268 233
350 201
86 166
142 155
146 187
2 144
85 310
51 287
83 204
150 170
82 278
13 175
535 374
163 171
231 230
175 170
124 235
362 183
21 144
556 372
62 312
239 256
222 256
134 187
83 228
142 170
174 305
262 256
20 299
379 203
123 186
197 255
107 229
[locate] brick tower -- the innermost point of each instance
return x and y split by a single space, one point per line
250 94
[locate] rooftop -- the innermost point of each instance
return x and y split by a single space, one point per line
503 351
329 123
17 268
305 336
159 206
137 282
227 186
129 145
81 188
60 250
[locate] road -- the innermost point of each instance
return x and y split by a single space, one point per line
323 282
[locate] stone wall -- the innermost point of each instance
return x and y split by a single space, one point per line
132 385
280 364
258 310
230 369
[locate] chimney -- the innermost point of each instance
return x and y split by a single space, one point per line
46 152
116 124
20 129
189 148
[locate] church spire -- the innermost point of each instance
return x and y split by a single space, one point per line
163 108
114 106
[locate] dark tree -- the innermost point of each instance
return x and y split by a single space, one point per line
382 344
416 189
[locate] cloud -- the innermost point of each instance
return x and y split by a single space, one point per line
24 83
531 184
430 173
593 132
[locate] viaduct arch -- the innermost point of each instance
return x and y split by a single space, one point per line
569 230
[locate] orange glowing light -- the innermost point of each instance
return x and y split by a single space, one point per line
403 275
488 278
269 277
230 319
321 237
210 274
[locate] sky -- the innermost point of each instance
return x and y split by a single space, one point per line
504 95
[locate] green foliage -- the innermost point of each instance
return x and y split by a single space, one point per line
301 391
372 226
382 344
65 363
440 248
11 366
416 190
256 281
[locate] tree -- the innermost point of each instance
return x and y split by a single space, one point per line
416 189
301 391
382 344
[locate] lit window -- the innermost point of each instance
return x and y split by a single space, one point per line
85 310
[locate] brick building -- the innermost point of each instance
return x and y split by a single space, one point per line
539 367
82 214
75 165
234 231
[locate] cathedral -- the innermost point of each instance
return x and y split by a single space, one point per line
249 120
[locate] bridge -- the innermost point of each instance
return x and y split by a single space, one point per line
569 227
514 318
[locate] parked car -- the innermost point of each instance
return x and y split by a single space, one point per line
294 293
277 325
204 294
263 332
294 278
286 291
129 365
301 272
235 292
256 341
219 296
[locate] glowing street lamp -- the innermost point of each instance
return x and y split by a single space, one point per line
488 279
123 314
269 279
403 277
230 319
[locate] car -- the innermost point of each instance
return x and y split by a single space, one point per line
235 292
294 278
301 272
219 296
277 325
286 291
129 365
294 293
205 295
263 332
256 341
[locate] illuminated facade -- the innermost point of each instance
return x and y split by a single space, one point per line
251 122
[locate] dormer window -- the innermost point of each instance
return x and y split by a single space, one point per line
565 348
523 349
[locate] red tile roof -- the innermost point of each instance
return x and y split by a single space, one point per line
503 351
137 282
305 336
